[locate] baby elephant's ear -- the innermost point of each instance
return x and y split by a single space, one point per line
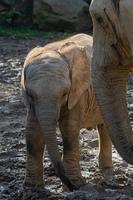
80 76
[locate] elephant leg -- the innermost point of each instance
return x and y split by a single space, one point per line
35 149
70 132
105 150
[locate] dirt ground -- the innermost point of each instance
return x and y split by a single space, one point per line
12 140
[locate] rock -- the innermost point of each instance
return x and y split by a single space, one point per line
3 8
81 195
9 2
88 191
16 12
58 15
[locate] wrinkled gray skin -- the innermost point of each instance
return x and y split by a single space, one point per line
57 89
111 64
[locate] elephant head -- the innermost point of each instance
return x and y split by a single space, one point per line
111 63
51 83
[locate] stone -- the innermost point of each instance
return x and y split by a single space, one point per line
58 15
8 2
16 12
3 8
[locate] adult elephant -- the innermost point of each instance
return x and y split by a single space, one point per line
111 64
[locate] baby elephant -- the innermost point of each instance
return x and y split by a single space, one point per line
57 87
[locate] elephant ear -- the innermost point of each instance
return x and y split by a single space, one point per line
80 76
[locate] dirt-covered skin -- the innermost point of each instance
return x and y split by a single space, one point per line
12 140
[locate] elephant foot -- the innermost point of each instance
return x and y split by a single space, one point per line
78 181
108 174
89 188
34 192
32 185
109 178
31 181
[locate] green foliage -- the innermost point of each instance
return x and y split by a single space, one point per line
25 31
8 17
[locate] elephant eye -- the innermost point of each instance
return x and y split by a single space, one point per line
64 94
64 97
100 20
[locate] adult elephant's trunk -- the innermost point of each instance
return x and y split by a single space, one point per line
110 89
47 119
111 63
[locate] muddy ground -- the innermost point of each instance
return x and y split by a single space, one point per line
12 140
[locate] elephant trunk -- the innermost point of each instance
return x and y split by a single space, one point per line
48 123
110 86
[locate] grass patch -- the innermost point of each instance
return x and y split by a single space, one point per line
28 32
